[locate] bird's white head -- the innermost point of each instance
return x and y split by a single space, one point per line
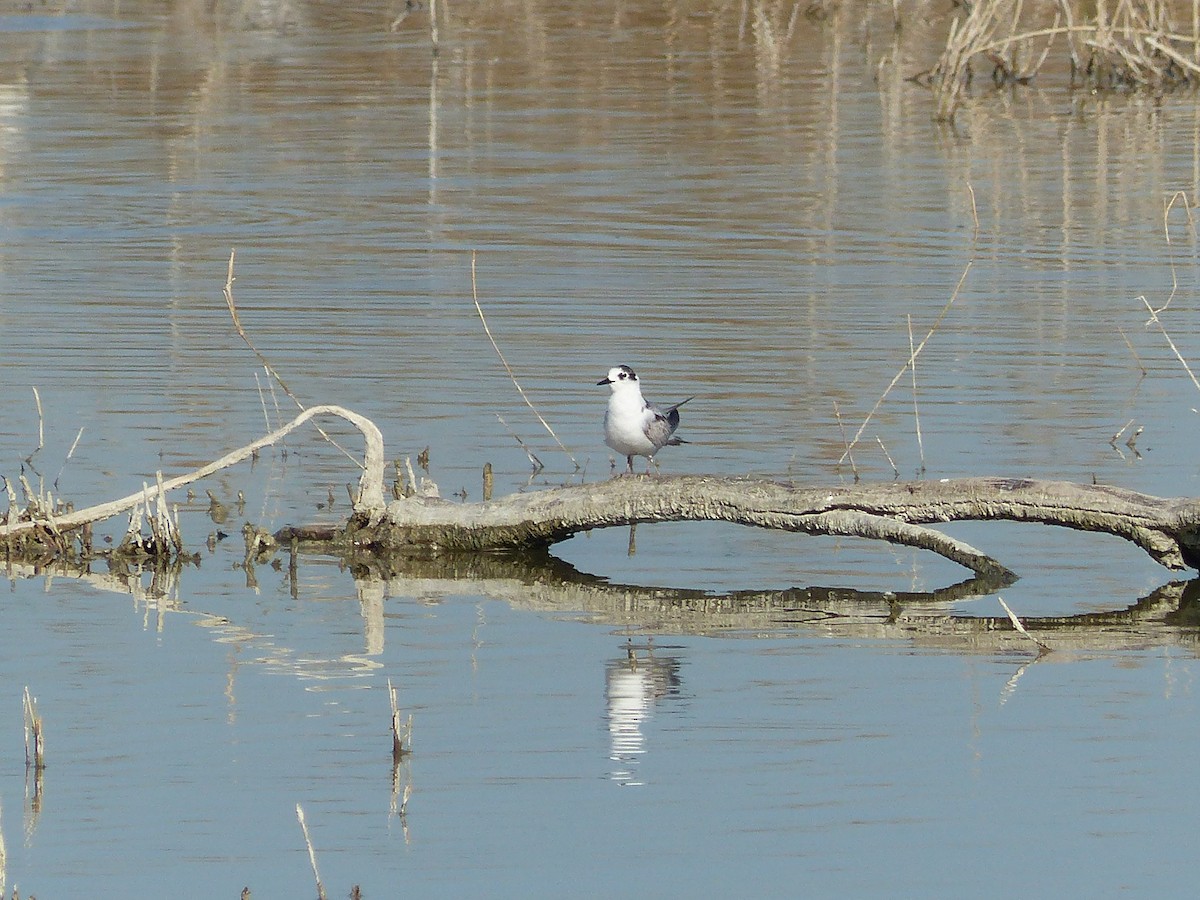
620 378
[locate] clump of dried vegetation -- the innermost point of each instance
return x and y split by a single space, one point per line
1121 45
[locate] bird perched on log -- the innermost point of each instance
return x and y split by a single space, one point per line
632 426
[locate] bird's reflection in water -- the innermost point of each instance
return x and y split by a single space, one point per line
633 685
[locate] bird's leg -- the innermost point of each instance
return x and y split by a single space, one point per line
629 462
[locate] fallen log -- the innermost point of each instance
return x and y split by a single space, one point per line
894 511
898 512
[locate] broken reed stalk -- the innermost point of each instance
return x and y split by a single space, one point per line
370 494
849 450
1012 616
891 461
533 457
1179 196
912 361
312 854
912 356
237 324
267 367
70 453
35 742
974 214
1157 321
1137 359
37 399
508 368
401 734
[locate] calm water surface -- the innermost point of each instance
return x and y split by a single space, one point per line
748 215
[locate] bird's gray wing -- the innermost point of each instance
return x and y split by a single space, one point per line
663 423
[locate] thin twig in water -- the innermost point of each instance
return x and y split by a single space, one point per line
1154 318
270 370
237 324
974 213
1116 437
533 460
1137 359
1181 197
312 854
35 742
912 356
262 400
891 461
508 368
70 453
912 359
37 400
849 450
1021 628
401 735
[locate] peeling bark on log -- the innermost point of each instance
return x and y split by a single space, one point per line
1168 530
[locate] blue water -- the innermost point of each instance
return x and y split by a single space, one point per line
754 228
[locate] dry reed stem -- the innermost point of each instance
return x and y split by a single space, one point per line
67 459
35 741
912 361
891 461
849 449
1177 197
1116 437
270 370
1155 319
533 458
974 214
401 734
916 411
1012 616
237 324
1181 197
1135 45
312 854
1137 359
37 401
370 494
508 368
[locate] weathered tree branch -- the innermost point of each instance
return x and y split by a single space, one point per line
1166 529
369 504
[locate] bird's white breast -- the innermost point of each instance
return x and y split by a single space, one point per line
625 424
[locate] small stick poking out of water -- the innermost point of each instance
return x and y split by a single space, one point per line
312 854
1012 616
401 734
35 746
513 377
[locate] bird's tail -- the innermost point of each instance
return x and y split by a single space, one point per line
679 404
